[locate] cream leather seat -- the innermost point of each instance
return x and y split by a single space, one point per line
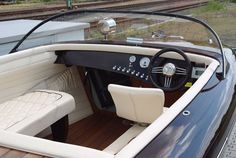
33 112
141 105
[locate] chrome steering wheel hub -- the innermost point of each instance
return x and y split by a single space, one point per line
169 69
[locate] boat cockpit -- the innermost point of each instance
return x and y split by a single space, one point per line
133 73
168 69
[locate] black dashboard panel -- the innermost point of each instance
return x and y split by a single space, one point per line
133 65
116 62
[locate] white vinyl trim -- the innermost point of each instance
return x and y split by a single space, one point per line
137 144
96 47
48 148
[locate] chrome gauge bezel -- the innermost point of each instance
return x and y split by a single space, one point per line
144 62
132 59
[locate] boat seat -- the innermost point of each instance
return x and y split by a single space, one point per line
31 113
142 105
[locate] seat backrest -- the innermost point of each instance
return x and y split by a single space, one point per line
141 105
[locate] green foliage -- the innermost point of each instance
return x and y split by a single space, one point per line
46 1
18 2
233 1
214 5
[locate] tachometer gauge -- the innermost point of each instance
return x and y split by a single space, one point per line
144 62
132 59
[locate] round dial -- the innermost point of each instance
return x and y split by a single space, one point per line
144 62
132 59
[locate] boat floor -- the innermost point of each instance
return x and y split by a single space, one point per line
97 131
12 153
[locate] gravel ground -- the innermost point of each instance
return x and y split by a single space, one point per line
223 22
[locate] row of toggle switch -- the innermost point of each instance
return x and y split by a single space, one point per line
132 72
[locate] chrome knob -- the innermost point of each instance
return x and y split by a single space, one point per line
169 69
114 67
133 72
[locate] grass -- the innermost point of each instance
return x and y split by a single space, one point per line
24 4
215 5
212 6
221 17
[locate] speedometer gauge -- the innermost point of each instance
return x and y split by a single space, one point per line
144 62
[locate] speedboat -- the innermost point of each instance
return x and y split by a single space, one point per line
136 84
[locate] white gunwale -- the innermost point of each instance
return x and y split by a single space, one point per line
37 145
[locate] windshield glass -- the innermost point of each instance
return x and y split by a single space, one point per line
131 27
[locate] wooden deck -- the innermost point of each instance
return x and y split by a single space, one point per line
11 153
97 131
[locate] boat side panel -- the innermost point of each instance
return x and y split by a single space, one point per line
190 135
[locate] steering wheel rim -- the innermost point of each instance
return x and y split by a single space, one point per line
170 70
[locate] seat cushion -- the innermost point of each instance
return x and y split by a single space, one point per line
33 112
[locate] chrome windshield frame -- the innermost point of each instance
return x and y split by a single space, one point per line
14 49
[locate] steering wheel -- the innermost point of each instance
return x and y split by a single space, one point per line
166 73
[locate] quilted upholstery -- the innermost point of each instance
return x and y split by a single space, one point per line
27 111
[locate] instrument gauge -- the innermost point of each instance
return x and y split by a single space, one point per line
144 62
132 59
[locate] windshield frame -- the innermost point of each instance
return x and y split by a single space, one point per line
14 49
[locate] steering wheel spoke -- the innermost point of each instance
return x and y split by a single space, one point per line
167 82
157 70
181 71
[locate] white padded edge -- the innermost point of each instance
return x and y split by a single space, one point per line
47 147
124 139
95 47
137 144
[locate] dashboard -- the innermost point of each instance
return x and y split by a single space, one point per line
123 63
133 65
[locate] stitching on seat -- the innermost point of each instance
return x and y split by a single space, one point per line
30 107
50 93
